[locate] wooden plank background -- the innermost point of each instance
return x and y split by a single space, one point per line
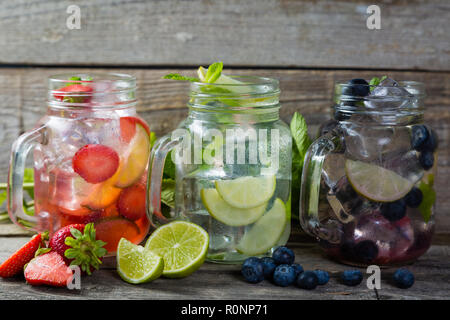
306 44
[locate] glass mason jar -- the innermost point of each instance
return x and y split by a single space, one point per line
232 158
367 185
91 152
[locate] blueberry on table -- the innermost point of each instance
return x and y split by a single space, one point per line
419 136
356 88
414 198
322 276
269 266
284 275
351 277
426 159
308 280
253 270
366 251
394 211
283 255
298 268
403 278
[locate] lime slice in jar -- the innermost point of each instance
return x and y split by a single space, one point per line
376 183
135 264
266 232
223 212
183 246
247 192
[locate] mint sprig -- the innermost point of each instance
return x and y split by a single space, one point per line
179 77
375 81
214 72
300 145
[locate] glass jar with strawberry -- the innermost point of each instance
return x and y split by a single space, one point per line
90 158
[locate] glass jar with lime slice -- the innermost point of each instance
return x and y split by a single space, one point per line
232 166
367 188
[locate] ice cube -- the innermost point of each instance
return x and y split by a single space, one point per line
388 95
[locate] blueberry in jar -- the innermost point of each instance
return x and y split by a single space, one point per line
419 136
356 88
394 211
284 275
253 270
283 255
366 251
269 266
414 198
403 278
351 277
322 276
308 280
426 159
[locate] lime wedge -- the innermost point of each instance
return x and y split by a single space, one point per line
223 212
183 246
135 264
223 79
266 232
376 183
247 192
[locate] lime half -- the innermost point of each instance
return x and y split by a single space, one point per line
223 212
376 183
183 246
135 264
266 232
247 192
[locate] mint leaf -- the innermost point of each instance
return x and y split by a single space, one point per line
429 197
168 192
375 81
179 77
214 72
299 132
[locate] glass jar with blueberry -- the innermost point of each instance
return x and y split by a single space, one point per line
367 191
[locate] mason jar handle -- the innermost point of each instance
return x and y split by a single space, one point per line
20 150
158 157
310 188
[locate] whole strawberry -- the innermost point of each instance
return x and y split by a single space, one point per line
77 244
15 264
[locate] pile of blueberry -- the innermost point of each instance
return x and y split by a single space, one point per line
282 271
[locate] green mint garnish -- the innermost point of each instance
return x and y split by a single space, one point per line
429 197
214 72
375 81
179 77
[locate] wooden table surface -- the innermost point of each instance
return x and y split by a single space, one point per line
215 281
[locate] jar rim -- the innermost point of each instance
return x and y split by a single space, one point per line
97 90
253 84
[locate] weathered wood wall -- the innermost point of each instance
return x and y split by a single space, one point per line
306 44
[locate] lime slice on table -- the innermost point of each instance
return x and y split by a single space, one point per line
183 246
266 232
223 212
247 192
376 183
135 264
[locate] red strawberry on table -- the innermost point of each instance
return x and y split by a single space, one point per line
14 264
95 163
48 269
77 245
131 203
